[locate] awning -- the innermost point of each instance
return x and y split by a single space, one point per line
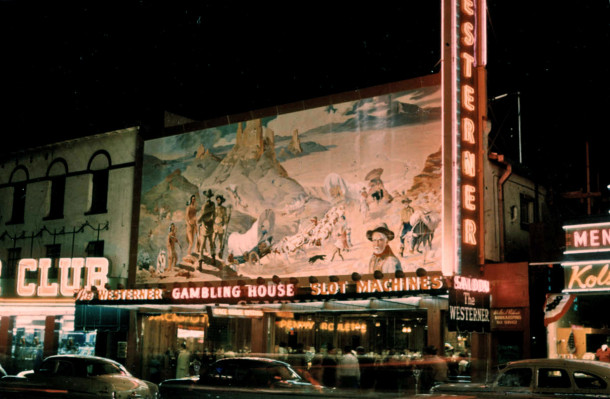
345 306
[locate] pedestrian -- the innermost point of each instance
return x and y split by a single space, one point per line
348 370
367 370
183 362
329 367
603 354
434 369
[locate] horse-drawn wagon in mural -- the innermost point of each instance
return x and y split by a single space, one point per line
251 246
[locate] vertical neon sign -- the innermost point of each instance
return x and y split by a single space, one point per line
464 105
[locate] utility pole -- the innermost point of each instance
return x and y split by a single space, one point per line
518 94
587 194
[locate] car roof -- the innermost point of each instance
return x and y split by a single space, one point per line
253 359
84 357
571 363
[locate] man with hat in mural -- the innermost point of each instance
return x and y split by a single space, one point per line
405 218
382 259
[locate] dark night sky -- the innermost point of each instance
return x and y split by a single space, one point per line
70 71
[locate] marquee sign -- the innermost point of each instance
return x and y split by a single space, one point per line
74 274
586 276
469 305
269 292
507 319
381 286
587 238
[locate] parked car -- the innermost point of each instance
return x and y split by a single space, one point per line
75 377
540 378
243 377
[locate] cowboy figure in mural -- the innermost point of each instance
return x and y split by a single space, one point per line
405 218
220 222
206 226
377 189
382 259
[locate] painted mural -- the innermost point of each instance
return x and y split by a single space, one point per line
351 187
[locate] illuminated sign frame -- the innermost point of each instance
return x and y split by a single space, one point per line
586 276
70 274
388 286
587 238
469 305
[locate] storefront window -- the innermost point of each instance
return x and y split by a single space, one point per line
28 336
166 338
382 334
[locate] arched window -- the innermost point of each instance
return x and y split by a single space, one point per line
57 191
99 166
19 180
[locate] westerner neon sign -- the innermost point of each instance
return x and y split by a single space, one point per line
136 294
468 131
70 276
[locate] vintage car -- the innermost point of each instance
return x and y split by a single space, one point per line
540 378
243 377
77 376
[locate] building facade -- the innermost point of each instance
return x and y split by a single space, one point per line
577 326
66 217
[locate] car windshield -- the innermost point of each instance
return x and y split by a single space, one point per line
284 373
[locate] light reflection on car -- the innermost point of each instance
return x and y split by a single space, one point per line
77 376
541 378
242 377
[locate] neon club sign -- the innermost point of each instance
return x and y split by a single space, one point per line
73 272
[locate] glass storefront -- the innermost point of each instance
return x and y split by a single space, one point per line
28 346
28 341
163 336
582 330
382 333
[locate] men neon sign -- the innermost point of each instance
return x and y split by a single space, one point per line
70 275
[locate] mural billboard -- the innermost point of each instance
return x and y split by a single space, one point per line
352 187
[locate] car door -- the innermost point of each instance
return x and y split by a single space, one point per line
217 382
553 381
53 377
514 382
589 383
